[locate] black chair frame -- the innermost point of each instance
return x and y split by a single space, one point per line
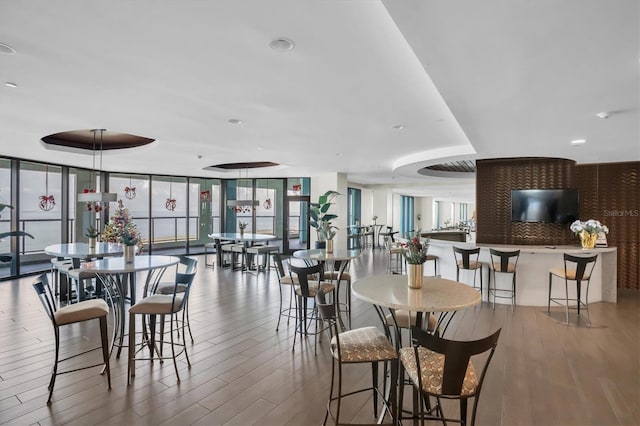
504 259
583 272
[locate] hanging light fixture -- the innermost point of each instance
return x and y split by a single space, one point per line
242 206
94 199
47 201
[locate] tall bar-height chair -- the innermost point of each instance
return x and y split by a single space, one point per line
285 284
395 256
503 263
578 269
187 269
361 345
159 305
339 274
72 314
445 369
467 259
310 285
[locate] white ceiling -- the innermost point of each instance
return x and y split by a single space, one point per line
467 79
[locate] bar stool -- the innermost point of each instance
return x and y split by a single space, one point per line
72 314
501 263
395 254
468 259
578 269
433 258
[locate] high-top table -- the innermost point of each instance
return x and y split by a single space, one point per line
337 255
79 251
245 238
115 274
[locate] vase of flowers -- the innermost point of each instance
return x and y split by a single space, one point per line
129 240
242 226
415 253
588 232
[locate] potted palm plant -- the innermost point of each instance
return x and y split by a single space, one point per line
92 233
321 219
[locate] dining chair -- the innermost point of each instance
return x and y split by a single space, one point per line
445 369
160 305
395 256
187 267
362 345
338 274
285 284
72 314
468 259
310 285
503 263
578 269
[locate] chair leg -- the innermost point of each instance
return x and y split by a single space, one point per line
463 411
105 348
173 346
131 369
374 381
54 372
549 298
566 299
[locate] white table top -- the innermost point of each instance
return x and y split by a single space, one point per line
322 255
82 250
436 294
233 236
116 265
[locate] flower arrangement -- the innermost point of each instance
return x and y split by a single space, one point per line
591 226
129 237
374 218
91 232
416 250
243 225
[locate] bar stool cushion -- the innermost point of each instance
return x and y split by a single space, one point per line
571 273
313 288
472 264
333 275
167 288
287 280
511 267
367 344
81 311
432 371
157 304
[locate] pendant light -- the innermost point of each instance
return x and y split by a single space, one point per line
170 203
91 196
47 201
242 206
130 191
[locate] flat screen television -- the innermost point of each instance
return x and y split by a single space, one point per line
544 205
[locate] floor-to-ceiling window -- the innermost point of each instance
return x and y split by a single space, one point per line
204 212
6 255
406 214
134 192
353 206
40 209
168 214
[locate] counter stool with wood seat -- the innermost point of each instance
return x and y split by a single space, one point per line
467 259
503 263
72 314
578 269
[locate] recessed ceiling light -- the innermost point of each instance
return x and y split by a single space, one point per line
6 49
281 44
398 127
10 84
578 141
234 121
603 115
259 148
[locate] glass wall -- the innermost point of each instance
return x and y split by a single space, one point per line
40 210
174 215
5 218
168 215
406 214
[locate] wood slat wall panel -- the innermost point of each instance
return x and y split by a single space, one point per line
608 192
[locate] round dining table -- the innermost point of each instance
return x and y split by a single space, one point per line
117 275
79 251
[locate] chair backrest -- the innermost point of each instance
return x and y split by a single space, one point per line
184 278
464 255
277 258
303 273
456 357
583 266
42 288
502 259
